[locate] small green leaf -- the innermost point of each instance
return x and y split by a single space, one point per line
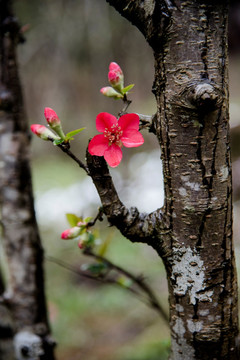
73 219
124 282
96 269
58 141
72 133
90 239
127 88
88 219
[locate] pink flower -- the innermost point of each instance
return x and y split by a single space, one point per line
51 117
115 133
115 76
43 132
71 233
54 121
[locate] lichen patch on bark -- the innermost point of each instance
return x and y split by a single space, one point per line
188 273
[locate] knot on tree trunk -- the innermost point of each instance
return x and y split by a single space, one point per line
202 96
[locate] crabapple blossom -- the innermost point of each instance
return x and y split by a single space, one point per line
115 76
51 117
71 233
43 132
54 121
110 92
115 134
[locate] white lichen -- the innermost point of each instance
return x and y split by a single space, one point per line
179 308
27 346
149 6
224 172
180 348
193 186
182 191
194 326
188 275
204 312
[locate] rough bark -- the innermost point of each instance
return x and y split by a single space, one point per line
24 296
193 232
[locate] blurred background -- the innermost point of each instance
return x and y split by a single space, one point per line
63 64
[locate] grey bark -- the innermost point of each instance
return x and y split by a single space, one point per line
24 298
193 231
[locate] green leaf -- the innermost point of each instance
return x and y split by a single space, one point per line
72 133
58 141
73 219
96 269
90 239
124 282
88 219
127 88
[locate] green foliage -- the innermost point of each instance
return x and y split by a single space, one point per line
73 219
58 141
69 136
127 89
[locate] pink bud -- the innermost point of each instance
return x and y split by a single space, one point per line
110 92
71 233
51 117
43 132
81 244
115 76
115 67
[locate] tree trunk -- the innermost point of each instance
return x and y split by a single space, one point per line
189 41
24 297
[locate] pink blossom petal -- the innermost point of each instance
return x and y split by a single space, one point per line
113 155
105 120
98 145
129 121
115 67
51 116
132 138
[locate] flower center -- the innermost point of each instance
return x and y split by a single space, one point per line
113 135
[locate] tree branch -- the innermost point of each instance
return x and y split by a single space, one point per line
150 16
137 227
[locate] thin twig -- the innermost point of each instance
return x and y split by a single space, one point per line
98 278
98 217
65 148
151 298
136 279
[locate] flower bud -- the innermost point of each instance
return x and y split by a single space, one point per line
51 117
115 76
82 244
71 233
43 132
54 121
110 92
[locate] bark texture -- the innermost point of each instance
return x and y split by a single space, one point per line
193 232
24 297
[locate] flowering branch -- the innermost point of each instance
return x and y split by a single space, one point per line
137 227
